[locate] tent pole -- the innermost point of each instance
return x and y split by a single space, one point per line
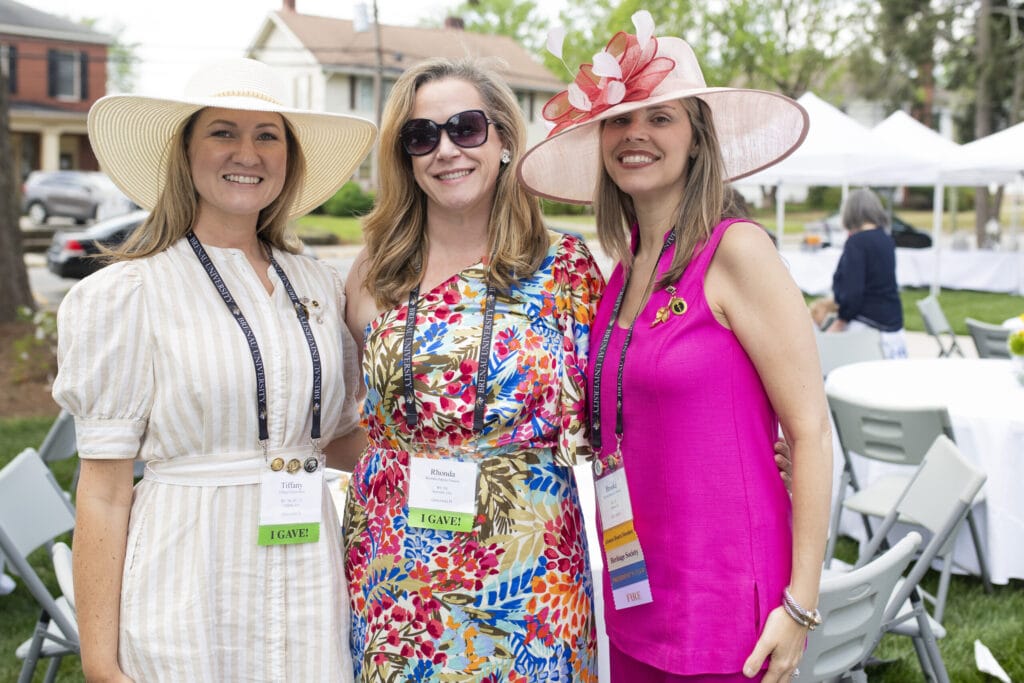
937 208
780 214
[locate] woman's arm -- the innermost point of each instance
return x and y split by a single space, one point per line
343 453
360 308
751 292
101 533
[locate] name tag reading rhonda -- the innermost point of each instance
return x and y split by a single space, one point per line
290 506
442 494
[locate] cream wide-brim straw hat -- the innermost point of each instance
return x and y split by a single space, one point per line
756 129
131 134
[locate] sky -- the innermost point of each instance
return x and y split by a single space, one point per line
176 36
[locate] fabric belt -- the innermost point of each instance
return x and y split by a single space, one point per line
223 469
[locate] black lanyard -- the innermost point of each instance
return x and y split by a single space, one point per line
483 363
595 415
254 349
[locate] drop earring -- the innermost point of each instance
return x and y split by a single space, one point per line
506 156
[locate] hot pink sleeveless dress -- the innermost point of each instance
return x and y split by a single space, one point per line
711 512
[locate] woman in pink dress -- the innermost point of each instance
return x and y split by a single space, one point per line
702 347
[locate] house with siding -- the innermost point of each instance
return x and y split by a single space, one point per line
331 65
55 70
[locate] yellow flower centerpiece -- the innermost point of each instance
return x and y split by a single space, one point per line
1015 342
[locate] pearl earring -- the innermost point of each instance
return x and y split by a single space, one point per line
506 156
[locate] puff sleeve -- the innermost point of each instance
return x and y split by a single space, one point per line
581 284
351 372
105 374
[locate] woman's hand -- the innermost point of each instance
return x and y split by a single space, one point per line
784 461
782 641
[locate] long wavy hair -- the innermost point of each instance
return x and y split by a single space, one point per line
700 207
395 231
177 208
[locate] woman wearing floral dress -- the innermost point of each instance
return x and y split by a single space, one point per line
458 267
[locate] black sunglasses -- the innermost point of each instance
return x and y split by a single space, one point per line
465 129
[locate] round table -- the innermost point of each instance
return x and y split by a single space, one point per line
986 409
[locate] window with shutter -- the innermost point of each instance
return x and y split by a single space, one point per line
66 74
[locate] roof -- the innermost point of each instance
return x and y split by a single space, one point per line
21 20
337 46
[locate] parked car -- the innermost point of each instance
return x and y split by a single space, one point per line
73 253
829 232
79 195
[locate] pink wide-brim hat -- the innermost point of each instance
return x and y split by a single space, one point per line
756 129
131 134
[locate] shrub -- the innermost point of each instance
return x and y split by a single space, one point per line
824 197
349 201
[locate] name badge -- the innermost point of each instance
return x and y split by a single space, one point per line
622 552
290 506
442 494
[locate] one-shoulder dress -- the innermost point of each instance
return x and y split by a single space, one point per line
512 599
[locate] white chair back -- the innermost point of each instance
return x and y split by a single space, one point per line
989 340
936 324
852 605
844 348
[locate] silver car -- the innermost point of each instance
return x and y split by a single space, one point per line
80 195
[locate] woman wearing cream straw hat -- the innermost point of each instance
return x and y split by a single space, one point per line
702 346
217 354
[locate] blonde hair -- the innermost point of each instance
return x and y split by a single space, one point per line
177 207
700 207
395 231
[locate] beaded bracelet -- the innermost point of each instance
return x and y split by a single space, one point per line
808 619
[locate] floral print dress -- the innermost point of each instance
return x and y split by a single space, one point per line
512 599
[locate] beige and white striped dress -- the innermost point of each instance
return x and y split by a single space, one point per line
154 366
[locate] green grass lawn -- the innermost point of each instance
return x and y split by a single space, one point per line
346 230
997 619
958 304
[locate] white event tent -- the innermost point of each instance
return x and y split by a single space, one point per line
899 151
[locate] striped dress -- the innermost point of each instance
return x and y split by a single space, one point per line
153 366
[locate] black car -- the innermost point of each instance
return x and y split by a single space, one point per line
73 253
904 234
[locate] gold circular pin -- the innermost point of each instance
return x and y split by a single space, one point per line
678 306
294 465
277 464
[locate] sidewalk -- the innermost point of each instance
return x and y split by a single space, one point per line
923 345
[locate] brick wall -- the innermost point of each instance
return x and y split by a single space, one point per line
31 68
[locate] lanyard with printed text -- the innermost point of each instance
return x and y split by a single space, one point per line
411 416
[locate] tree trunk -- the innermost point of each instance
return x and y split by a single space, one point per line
983 110
14 288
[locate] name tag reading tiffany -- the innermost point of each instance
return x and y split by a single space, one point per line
623 554
290 509
442 494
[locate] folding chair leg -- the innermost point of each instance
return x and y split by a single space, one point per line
986 579
927 648
28 669
51 670
943 592
837 510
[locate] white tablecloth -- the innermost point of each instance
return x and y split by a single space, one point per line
984 271
986 409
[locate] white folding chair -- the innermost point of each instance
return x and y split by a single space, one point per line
852 605
844 348
34 511
899 437
936 324
60 442
937 498
989 340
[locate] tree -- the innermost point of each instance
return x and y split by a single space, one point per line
121 59
518 19
15 292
